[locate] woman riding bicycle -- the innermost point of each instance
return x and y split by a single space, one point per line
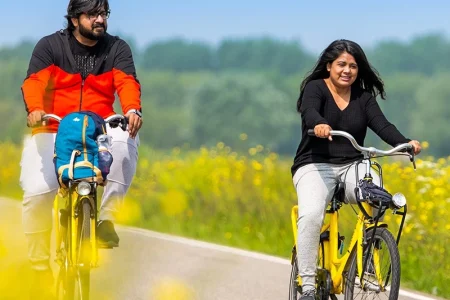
339 94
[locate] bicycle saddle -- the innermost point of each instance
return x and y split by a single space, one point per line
339 191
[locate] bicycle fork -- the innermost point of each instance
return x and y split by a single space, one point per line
365 242
66 244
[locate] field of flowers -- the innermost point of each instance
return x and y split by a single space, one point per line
244 200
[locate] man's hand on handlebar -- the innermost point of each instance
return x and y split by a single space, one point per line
416 146
323 131
134 124
34 118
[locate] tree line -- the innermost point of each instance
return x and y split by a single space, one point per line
198 94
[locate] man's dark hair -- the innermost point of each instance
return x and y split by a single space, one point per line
79 7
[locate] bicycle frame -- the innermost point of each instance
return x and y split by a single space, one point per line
337 265
332 262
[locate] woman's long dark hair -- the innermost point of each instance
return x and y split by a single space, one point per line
368 78
78 7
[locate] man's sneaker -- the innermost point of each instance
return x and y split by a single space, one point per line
106 235
308 295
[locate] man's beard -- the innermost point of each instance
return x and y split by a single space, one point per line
90 33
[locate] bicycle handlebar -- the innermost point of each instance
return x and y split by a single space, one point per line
114 120
109 119
370 151
51 116
115 117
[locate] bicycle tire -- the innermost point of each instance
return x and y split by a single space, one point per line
61 283
74 281
393 269
63 286
85 252
294 289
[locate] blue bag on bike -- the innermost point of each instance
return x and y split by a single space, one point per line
76 148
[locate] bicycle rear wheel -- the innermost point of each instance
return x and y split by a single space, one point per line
295 289
381 277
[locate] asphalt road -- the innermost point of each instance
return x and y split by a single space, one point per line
150 265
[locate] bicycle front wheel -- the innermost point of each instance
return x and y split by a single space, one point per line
74 279
83 270
381 277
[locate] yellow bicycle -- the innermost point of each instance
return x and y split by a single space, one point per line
370 268
75 222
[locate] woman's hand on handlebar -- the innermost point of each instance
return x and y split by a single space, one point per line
323 131
34 118
416 146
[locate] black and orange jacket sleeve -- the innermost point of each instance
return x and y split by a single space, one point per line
38 76
125 79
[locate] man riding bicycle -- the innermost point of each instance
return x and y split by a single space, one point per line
78 68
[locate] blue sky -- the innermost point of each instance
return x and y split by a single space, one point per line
314 23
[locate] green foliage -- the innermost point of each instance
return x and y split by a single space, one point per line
166 109
247 78
233 105
13 122
424 54
263 54
12 107
12 74
178 55
430 118
400 98
20 52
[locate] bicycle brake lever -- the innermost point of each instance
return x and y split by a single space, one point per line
119 123
411 159
114 124
124 123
